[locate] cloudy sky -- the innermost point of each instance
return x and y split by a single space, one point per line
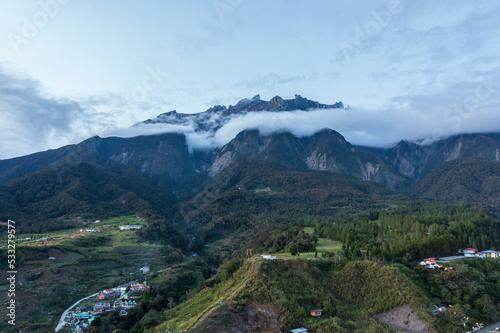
71 69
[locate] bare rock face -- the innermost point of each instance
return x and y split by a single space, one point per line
326 150
415 161
403 319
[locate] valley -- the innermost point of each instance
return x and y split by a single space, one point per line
256 235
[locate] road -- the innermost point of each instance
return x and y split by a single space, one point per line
450 259
489 328
65 313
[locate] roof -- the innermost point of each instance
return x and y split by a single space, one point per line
489 251
299 330
470 249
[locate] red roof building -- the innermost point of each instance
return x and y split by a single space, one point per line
316 313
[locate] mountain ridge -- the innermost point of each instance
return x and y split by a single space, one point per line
169 161
217 116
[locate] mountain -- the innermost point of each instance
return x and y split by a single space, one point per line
468 179
415 161
171 164
326 150
165 158
218 115
24 165
251 191
59 196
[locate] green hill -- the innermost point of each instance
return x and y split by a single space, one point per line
278 295
355 296
57 197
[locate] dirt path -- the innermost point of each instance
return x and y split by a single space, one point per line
216 306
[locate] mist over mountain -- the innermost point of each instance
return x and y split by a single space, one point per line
182 151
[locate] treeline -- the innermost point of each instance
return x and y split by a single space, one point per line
413 231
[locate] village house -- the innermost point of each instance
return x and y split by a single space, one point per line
102 307
124 303
266 257
108 291
470 252
491 254
139 287
130 227
316 313
480 254
298 330
432 264
144 269
81 309
439 310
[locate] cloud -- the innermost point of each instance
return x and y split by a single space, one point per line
270 81
462 107
31 120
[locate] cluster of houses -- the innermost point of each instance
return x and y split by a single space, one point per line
474 253
432 264
113 299
81 318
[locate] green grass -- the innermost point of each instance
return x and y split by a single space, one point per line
187 313
309 230
328 245
104 225
323 245
60 262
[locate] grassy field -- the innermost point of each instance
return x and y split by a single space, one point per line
328 245
323 245
102 226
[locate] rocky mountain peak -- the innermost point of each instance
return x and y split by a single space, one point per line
218 115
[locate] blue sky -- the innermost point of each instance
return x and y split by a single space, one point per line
408 69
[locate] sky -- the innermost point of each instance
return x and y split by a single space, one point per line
414 70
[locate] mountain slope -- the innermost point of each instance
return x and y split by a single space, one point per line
21 166
49 199
165 158
416 161
254 194
468 179
278 295
326 150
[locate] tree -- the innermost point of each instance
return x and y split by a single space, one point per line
96 322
